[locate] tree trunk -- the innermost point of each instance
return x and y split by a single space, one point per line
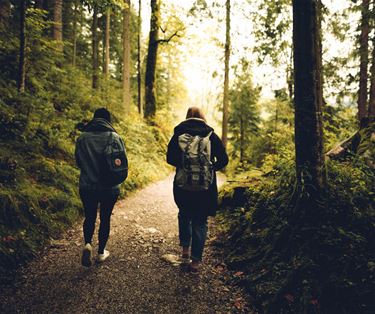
139 70
57 20
21 63
363 67
106 42
226 76
150 105
242 139
289 78
308 97
126 57
75 17
371 107
95 48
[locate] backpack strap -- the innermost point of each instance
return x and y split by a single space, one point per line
186 161
201 161
109 140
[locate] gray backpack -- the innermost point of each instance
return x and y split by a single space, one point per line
196 173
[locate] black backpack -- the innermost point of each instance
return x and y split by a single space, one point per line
115 164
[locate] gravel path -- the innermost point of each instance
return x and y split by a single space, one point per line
135 278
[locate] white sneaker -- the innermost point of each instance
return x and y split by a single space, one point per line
86 255
103 257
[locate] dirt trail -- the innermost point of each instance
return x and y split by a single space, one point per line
134 279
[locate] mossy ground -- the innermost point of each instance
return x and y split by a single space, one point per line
323 262
39 180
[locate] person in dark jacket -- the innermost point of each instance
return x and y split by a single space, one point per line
89 158
195 206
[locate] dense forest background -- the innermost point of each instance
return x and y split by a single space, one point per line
300 229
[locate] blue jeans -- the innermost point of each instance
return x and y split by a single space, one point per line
192 230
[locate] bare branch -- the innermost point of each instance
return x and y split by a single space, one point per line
167 40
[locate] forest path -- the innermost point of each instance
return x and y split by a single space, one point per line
134 279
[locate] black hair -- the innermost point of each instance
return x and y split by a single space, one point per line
102 113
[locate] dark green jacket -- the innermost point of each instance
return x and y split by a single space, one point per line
89 153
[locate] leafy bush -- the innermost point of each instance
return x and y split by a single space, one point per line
326 265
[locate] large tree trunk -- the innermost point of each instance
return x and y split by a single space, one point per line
95 48
226 76
57 20
139 70
150 99
371 107
106 42
308 97
126 57
21 63
363 68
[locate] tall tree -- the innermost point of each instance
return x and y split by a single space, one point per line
363 54
57 20
244 114
371 106
308 97
95 47
226 76
75 22
150 99
106 42
21 62
126 57
139 70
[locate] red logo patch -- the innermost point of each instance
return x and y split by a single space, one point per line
118 162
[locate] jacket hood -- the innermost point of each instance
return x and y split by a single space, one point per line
99 125
193 126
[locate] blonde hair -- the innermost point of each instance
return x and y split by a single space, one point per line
195 112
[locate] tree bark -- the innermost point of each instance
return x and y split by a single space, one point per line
126 58
139 69
371 107
242 139
106 42
95 48
363 68
21 63
150 99
226 76
308 97
57 20
75 17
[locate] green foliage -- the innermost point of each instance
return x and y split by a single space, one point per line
244 113
272 21
273 140
339 124
38 128
293 265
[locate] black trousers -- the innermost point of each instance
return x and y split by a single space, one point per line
91 200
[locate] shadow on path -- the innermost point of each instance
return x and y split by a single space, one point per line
134 279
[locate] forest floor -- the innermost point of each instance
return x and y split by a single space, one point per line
135 278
